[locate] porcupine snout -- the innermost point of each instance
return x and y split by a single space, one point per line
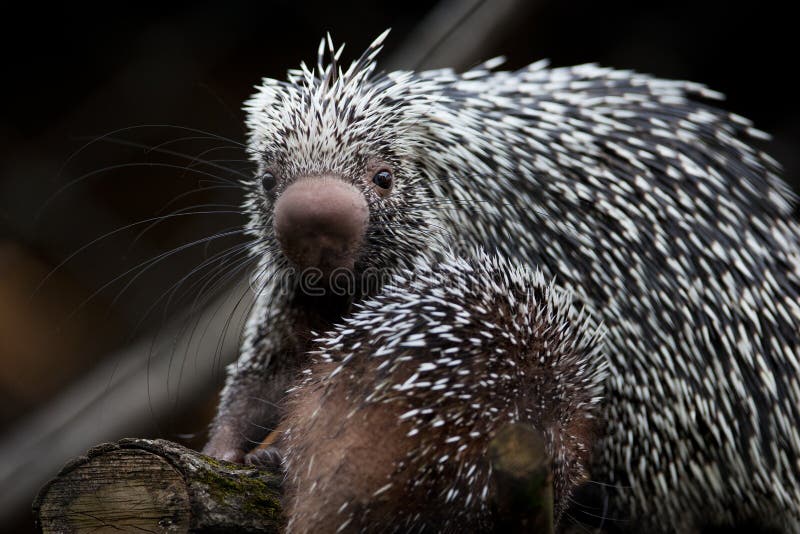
320 223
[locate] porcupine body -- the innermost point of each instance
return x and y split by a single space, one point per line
633 192
389 429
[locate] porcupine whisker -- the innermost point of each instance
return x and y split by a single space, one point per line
192 312
200 159
232 273
239 229
201 300
576 523
586 508
146 265
156 148
204 297
265 429
96 172
106 137
245 162
173 289
281 267
185 209
246 165
99 138
267 402
218 260
615 486
214 265
175 339
245 293
193 159
178 211
243 261
200 189
105 236
221 339
257 277
603 516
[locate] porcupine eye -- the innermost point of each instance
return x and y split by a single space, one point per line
383 179
268 181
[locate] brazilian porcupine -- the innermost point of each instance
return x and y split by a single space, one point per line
637 195
389 429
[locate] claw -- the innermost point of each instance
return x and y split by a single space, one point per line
265 457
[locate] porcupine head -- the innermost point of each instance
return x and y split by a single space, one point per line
338 192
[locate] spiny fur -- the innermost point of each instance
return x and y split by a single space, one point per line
648 203
416 383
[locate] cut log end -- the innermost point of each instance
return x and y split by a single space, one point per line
158 486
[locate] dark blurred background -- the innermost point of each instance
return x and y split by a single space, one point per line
95 352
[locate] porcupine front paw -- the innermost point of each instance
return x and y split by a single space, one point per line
269 457
223 445
228 454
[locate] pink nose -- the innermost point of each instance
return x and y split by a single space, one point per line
320 222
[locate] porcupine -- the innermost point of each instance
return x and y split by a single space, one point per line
389 429
638 195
